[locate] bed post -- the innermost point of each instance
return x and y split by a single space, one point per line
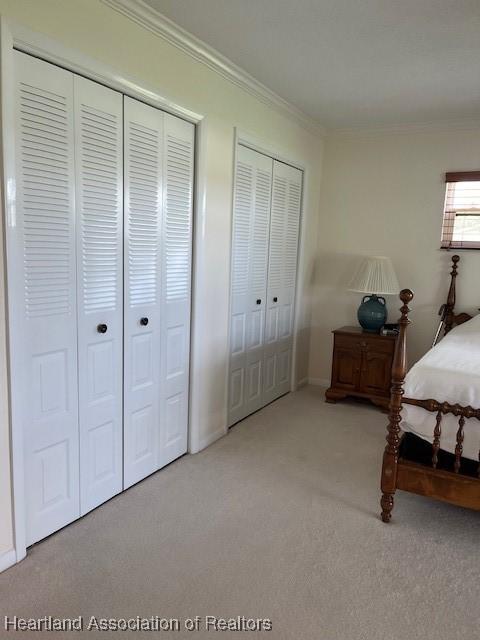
399 370
449 314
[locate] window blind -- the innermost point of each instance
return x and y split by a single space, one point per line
461 217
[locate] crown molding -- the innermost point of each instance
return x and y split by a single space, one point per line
148 18
435 126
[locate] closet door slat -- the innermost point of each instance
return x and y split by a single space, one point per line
42 296
99 220
250 237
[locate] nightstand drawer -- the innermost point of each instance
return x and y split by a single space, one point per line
365 343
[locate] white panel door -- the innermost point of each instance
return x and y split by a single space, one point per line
99 221
159 152
176 235
42 296
251 218
282 272
143 254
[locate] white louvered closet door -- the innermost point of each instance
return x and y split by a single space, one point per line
251 219
42 296
159 152
143 247
282 272
99 222
176 235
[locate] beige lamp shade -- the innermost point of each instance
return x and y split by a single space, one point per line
376 275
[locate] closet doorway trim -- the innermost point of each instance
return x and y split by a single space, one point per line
15 36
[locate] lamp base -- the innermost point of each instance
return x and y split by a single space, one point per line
372 313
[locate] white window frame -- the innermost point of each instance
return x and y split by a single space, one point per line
450 215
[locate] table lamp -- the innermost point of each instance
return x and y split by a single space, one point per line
376 277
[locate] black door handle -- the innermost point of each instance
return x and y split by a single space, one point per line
144 321
102 328
275 299
259 301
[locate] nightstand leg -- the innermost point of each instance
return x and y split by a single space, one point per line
383 404
332 395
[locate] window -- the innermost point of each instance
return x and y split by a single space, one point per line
461 216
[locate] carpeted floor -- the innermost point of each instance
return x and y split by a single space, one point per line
277 520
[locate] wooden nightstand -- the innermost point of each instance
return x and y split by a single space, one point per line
362 365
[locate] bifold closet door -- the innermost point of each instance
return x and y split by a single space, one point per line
99 292
42 296
251 219
158 239
282 273
99 228
177 229
143 126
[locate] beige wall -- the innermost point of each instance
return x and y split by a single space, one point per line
92 28
382 194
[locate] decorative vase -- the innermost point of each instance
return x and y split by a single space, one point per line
372 313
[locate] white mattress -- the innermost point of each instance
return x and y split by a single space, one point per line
449 372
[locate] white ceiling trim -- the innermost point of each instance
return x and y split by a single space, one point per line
434 126
161 26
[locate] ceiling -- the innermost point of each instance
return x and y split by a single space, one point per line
350 63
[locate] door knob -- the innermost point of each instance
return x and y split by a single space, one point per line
259 301
144 321
102 328
275 299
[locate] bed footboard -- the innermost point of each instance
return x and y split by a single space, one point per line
399 473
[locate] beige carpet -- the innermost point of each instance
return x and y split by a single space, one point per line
277 520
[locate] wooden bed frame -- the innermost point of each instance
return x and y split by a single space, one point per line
407 475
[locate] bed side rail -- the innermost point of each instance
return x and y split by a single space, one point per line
441 409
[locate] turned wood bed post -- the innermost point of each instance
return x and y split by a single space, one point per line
399 370
449 313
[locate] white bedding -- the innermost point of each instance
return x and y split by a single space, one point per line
449 372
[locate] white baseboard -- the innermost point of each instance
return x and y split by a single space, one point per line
302 383
319 382
209 439
7 559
